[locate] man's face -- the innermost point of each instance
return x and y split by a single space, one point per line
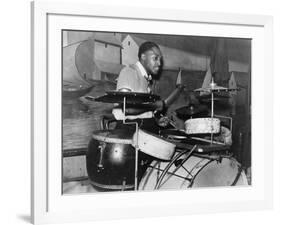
151 60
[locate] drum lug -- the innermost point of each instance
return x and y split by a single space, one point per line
101 148
218 159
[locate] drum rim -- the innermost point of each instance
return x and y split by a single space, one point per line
114 140
203 119
156 137
112 186
165 153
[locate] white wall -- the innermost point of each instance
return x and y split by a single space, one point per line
129 51
77 36
107 52
174 58
15 111
238 66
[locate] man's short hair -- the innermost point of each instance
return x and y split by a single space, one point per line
148 45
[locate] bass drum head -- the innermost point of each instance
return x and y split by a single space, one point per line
192 173
224 173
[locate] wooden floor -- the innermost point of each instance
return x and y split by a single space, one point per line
78 187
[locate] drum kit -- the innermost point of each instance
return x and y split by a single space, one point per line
116 158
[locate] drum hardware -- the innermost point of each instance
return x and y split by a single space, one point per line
228 118
172 162
213 157
211 90
174 134
206 140
136 139
169 173
100 163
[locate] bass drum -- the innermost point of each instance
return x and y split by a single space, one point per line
194 171
110 160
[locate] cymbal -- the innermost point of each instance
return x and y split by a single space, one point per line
191 110
130 97
216 98
215 88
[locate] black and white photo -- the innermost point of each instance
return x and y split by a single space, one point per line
178 107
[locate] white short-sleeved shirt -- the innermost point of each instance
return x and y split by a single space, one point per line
135 79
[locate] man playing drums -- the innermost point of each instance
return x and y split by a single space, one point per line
139 78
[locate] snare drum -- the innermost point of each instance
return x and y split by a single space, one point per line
202 126
194 171
154 145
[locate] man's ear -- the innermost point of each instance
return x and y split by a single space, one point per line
143 57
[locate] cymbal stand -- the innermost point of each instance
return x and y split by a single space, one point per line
212 84
135 143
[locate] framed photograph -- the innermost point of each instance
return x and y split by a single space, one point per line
144 116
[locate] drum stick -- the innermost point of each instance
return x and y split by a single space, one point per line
172 97
179 87
206 140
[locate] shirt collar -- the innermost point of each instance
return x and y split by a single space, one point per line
143 71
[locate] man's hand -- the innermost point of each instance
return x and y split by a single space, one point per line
159 106
163 121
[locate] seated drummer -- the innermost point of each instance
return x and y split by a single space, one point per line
139 78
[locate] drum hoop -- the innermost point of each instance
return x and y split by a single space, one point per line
112 140
113 187
239 173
